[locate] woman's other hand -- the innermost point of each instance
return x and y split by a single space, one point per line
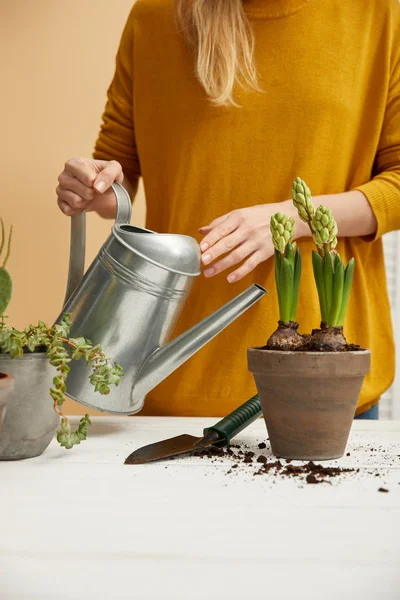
85 184
243 237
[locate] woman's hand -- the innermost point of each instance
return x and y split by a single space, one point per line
243 236
85 184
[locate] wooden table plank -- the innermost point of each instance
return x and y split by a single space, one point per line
81 524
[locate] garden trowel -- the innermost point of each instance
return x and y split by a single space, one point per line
219 435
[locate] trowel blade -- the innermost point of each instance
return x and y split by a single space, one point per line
182 444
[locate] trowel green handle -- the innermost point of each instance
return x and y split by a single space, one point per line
238 420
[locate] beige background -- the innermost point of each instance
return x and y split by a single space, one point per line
57 60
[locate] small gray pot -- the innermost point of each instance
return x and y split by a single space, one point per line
30 421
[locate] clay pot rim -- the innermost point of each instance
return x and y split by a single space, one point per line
307 352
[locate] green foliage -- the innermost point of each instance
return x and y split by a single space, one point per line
332 278
61 350
287 266
287 279
334 282
68 438
5 278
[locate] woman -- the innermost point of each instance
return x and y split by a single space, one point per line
219 105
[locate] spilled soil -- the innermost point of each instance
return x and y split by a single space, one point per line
310 472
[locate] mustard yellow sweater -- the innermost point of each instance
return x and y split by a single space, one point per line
330 113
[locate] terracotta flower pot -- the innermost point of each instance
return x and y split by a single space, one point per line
308 399
6 386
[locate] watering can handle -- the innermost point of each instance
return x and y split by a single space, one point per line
77 247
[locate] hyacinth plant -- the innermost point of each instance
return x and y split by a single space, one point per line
60 350
333 279
287 280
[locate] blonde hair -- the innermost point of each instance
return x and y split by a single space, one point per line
223 43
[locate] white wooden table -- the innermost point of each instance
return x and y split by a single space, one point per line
80 524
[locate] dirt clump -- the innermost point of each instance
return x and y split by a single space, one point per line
242 456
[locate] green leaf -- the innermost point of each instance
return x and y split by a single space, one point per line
348 280
31 345
80 341
318 267
328 279
286 286
77 354
59 361
337 295
278 259
68 439
57 395
296 283
289 254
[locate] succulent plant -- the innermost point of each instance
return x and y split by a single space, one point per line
5 277
61 349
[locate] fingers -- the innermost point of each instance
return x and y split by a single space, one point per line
64 207
83 182
111 172
249 265
83 169
213 223
226 244
224 228
70 203
71 183
233 258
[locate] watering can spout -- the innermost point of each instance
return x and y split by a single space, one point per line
167 359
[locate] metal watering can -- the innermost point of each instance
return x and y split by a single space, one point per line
129 301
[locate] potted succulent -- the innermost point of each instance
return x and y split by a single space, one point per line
309 384
36 359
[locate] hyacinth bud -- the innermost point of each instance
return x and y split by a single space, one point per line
282 230
324 227
301 196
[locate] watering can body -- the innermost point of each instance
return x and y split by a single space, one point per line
129 301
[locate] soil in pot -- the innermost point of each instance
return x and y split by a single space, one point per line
308 399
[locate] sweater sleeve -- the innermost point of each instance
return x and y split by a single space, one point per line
116 140
383 191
